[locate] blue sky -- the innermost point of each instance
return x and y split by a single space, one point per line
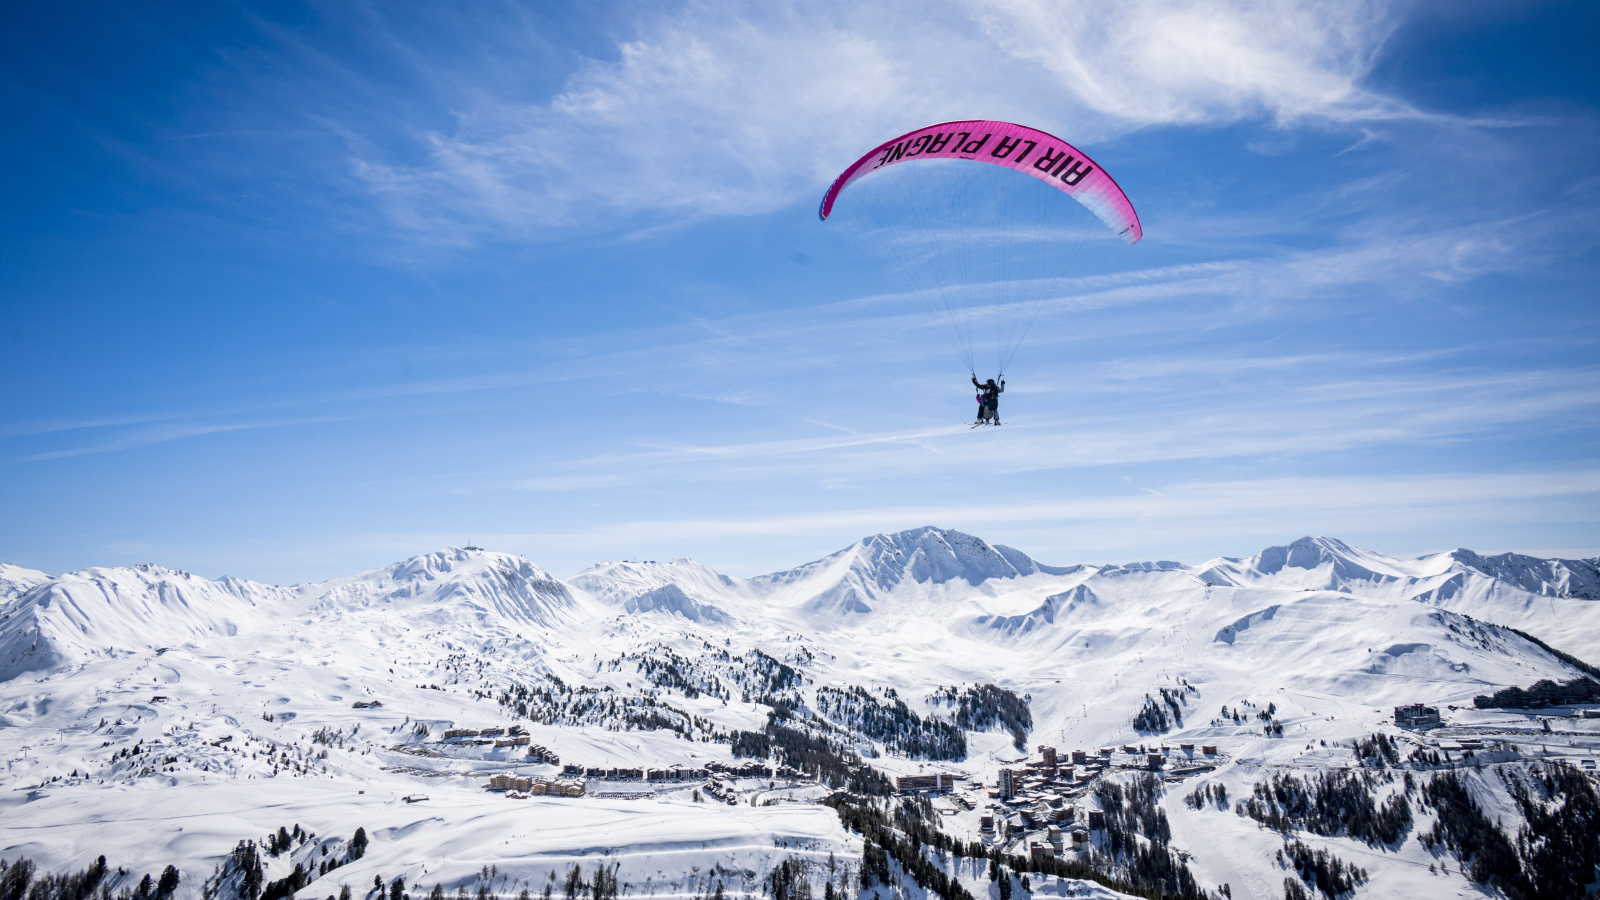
294 290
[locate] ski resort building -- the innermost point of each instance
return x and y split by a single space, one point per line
509 783
1009 782
1417 716
545 787
939 781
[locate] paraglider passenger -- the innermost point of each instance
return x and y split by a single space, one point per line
989 399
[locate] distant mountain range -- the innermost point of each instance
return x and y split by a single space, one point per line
51 621
214 711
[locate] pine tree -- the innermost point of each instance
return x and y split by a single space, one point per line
14 879
168 883
344 892
397 888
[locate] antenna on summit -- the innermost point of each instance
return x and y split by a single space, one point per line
470 547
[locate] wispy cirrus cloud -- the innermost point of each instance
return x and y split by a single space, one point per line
1152 62
740 108
743 360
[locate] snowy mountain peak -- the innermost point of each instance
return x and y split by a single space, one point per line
1578 578
936 555
669 598
1306 553
451 582
109 612
682 585
1321 563
857 578
15 580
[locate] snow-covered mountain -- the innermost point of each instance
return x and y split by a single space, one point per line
215 711
1577 578
1553 599
454 587
16 580
861 577
100 613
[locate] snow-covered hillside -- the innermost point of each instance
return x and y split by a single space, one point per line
161 718
15 580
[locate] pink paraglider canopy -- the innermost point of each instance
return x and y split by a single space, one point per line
1027 150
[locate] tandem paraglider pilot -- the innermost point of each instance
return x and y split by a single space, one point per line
1076 182
988 400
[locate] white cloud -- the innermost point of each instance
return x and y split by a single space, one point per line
1203 61
732 108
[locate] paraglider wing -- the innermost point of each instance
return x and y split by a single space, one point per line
1027 150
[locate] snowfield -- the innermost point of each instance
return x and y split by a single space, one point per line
159 718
